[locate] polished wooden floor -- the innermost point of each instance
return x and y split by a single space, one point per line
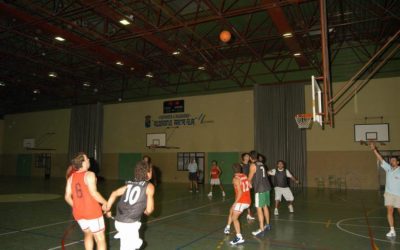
33 215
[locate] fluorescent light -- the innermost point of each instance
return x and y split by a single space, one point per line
287 35
176 52
124 22
150 75
297 54
86 84
119 63
2 84
36 91
318 32
53 74
59 38
201 68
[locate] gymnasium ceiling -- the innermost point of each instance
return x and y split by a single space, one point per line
172 48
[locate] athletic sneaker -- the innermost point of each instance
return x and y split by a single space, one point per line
227 230
209 194
291 208
267 227
391 234
223 193
190 190
276 212
259 232
197 190
237 240
249 217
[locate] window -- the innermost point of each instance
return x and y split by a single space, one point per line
183 161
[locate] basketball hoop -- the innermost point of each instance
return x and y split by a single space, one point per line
304 120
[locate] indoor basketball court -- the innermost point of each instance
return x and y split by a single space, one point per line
192 87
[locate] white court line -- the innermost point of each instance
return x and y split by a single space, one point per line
151 221
37 227
360 235
62 222
359 225
300 221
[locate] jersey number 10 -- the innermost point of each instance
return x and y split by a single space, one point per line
132 194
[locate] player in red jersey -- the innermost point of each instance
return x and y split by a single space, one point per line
82 195
215 172
242 202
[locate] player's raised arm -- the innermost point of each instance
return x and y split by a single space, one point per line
375 150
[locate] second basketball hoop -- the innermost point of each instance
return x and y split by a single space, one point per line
304 120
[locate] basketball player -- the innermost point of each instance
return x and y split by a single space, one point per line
281 183
258 178
242 202
245 164
82 195
137 197
215 172
392 187
154 177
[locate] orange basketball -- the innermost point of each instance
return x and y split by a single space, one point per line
225 36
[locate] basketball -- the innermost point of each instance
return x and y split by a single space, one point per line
225 36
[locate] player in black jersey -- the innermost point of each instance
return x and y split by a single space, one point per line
137 197
258 177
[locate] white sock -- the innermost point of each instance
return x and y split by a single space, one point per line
391 229
228 226
239 236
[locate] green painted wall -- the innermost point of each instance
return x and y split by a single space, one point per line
126 165
24 164
225 161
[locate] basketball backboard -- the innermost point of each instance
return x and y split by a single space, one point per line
371 132
156 139
317 109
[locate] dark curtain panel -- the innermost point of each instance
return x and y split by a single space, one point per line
276 133
86 131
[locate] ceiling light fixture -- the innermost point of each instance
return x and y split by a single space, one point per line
53 74
36 91
59 38
287 35
132 68
119 63
150 75
86 84
297 54
176 52
201 68
2 84
124 22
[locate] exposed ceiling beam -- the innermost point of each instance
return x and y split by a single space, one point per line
283 26
109 56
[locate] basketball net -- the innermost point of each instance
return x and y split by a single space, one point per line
304 120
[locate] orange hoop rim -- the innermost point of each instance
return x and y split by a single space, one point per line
304 115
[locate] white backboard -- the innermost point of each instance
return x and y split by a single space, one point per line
371 132
158 139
